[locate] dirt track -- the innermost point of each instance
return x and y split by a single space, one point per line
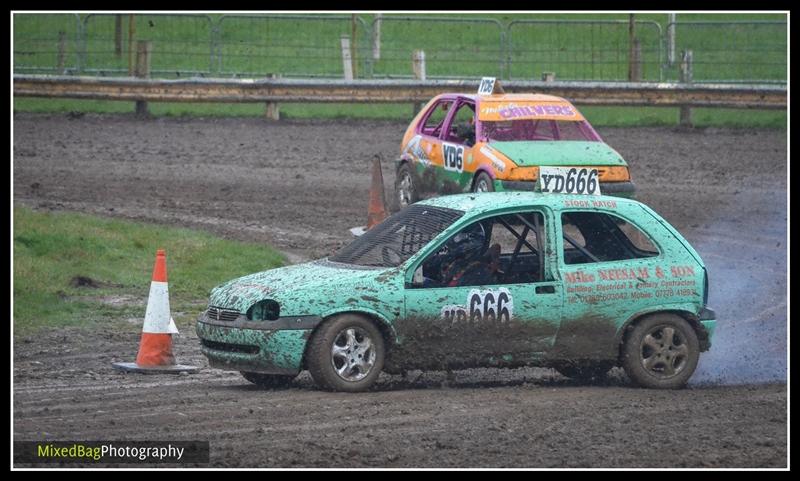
300 186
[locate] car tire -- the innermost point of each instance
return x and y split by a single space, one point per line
406 190
483 183
584 371
661 352
268 380
346 340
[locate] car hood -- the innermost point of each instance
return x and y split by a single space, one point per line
558 153
299 289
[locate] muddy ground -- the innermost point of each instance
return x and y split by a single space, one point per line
301 186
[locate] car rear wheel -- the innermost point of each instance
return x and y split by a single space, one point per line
268 380
584 371
346 354
661 352
405 188
483 183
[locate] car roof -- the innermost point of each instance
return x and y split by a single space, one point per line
509 97
488 201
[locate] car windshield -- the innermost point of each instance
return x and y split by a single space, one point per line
537 129
397 238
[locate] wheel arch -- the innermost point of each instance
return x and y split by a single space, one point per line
380 321
690 317
481 169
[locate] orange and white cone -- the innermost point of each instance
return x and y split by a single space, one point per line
376 211
155 348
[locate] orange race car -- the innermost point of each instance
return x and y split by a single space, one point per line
495 142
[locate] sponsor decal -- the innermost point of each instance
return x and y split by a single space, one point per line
496 162
414 148
499 111
493 305
621 284
453 157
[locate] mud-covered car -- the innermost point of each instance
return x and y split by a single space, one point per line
580 283
482 143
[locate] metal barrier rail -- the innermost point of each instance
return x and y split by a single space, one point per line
393 91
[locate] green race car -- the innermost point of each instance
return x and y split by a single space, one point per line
581 283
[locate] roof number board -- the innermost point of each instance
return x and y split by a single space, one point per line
486 86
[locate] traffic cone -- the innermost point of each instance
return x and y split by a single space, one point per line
377 199
155 348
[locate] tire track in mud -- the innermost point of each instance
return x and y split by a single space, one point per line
301 186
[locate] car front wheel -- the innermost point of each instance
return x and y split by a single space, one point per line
405 187
483 183
346 354
661 352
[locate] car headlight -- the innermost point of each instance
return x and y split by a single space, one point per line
265 310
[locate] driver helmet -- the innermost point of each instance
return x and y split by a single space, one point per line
468 244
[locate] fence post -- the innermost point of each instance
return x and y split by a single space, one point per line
118 35
418 65
354 45
347 62
631 47
273 111
376 36
671 39
143 52
636 71
62 43
131 35
686 77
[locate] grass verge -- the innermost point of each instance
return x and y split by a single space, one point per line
73 269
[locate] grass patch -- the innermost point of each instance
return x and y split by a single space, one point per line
73 269
598 116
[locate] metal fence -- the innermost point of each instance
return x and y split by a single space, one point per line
583 49
290 45
454 47
732 51
382 47
184 43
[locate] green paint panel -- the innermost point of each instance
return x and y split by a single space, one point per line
557 153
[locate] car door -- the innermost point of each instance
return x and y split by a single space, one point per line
425 147
457 140
609 266
509 316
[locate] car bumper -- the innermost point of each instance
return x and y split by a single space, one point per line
619 189
708 319
239 346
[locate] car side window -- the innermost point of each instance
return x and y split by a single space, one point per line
462 127
435 118
504 249
599 237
